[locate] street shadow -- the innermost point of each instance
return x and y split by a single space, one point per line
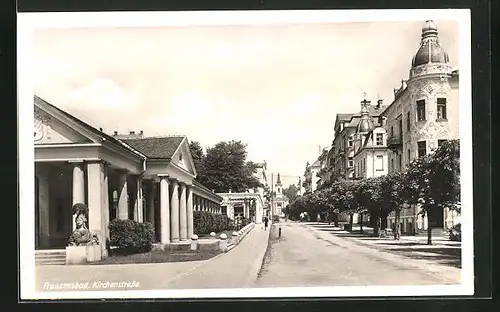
446 256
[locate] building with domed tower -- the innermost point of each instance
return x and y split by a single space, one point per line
424 113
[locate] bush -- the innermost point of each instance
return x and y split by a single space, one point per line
455 233
130 236
276 218
205 222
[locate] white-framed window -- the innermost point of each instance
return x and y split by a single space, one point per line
379 162
379 139
441 108
351 162
421 110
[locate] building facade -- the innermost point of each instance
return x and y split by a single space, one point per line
424 113
341 155
370 151
279 200
144 179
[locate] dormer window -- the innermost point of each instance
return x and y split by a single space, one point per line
180 157
379 139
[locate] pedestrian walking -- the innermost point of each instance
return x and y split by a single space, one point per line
265 223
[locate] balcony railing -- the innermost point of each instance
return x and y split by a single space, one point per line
395 141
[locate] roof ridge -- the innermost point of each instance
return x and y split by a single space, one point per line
158 137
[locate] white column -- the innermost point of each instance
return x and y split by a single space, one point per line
95 188
138 201
78 186
174 212
182 213
190 212
122 196
164 211
151 203
105 202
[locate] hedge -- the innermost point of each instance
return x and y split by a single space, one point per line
130 236
205 222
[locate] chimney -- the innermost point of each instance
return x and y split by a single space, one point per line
141 133
115 133
100 129
384 121
132 132
379 103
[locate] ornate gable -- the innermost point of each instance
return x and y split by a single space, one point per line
182 157
49 129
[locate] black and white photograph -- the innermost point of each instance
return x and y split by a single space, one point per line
224 154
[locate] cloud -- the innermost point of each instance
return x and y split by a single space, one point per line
100 93
308 104
192 106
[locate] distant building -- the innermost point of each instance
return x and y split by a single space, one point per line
279 200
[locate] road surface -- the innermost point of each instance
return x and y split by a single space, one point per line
305 256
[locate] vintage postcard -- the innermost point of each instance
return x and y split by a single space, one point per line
245 154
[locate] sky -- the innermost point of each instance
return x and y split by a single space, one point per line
276 88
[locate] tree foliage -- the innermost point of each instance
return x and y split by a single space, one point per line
224 167
291 192
197 155
431 181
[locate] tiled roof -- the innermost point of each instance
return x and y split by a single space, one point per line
344 117
156 147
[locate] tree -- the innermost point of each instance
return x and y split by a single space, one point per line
433 181
197 155
291 192
225 168
394 196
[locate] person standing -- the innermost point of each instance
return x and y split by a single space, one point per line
265 223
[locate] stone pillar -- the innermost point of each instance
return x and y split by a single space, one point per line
78 186
95 188
174 212
105 203
151 203
122 196
164 211
190 212
182 212
138 201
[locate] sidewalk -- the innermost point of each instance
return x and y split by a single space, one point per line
237 268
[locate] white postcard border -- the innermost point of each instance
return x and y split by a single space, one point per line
29 21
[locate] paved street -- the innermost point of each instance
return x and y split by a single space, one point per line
308 256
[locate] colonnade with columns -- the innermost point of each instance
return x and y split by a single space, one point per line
111 192
204 204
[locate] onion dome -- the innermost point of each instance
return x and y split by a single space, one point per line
366 123
430 50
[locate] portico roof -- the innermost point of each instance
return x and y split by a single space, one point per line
156 147
41 102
